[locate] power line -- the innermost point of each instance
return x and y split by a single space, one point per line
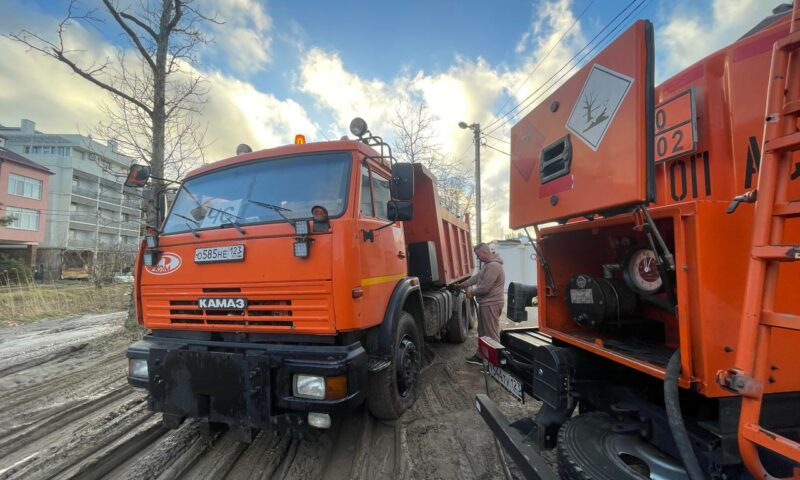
511 113
600 44
538 64
495 149
497 138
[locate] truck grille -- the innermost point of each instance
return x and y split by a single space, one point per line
296 307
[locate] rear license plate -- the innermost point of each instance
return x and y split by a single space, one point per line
222 303
226 253
508 381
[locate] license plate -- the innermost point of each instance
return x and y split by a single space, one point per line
508 381
222 303
227 253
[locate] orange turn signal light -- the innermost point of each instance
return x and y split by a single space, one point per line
299 139
335 387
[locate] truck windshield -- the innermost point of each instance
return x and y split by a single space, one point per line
230 196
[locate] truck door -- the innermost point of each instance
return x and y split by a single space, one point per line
383 258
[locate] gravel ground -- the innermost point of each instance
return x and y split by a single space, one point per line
66 411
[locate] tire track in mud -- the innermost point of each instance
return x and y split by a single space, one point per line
73 415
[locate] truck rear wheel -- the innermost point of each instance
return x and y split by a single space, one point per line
591 448
393 390
472 311
458 324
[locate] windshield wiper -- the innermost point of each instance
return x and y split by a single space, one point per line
193 230
233 219
274 208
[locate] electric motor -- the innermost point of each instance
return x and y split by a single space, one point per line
597 302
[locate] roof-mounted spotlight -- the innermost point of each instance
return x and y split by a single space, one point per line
358 127
243 148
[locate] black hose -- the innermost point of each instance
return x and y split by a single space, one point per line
675 418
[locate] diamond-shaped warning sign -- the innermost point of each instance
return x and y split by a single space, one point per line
597 104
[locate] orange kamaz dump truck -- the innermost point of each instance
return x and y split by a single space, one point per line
290 284
665 219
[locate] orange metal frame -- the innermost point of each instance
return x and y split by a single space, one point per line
759 321
746 331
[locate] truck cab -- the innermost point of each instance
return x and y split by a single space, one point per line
277 290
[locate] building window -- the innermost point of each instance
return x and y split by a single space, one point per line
24 186
27 149
23 218
36 150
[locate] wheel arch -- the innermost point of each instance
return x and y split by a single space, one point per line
406 296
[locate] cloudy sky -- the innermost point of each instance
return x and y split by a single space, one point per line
277 68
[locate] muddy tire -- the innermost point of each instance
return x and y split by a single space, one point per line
393 390
588 450
458 324
472 311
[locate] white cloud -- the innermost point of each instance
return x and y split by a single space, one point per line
59 101
465 91
687 37
244 39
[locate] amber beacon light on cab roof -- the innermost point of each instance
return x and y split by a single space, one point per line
285 286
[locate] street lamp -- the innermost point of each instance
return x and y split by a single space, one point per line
476 130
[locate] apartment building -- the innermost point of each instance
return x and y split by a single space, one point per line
89 212
23 204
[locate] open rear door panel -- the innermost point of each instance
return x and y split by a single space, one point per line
588 147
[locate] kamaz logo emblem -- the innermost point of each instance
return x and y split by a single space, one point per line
226 303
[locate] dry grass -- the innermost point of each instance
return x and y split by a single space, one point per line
31 302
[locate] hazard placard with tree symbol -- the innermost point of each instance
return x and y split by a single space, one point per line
597 104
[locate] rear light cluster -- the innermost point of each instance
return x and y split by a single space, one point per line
492 350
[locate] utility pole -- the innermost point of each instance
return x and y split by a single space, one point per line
476 133
476 129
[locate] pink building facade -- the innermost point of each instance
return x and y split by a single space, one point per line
23 198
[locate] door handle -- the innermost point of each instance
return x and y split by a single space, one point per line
401 254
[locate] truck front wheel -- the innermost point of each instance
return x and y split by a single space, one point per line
392 390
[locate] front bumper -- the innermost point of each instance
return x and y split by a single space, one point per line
244 385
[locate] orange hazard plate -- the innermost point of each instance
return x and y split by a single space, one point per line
676 127
588 147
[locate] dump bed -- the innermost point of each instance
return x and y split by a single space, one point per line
439 233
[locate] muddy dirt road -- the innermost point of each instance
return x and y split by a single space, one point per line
66 411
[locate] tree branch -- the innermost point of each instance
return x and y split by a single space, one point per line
59 55
178 14
133 36
141 24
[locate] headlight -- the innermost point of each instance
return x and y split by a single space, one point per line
137 367
309 386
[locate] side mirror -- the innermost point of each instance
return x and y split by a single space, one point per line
400 210
402 186
138 175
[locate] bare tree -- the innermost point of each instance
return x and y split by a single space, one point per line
156 95
414 138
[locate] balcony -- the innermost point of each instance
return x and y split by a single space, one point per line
80 243
133 203
84 191
133 225
83 217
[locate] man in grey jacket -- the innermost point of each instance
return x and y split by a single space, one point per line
487 288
